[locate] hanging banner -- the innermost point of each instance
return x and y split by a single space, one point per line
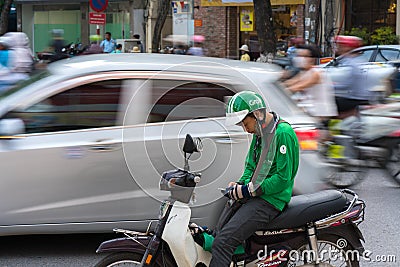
181 7
248 2
246 19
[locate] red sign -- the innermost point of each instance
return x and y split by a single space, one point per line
198 23
97 18
98 5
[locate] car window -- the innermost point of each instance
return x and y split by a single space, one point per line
387 55
363 56
24 83
87 106
187 101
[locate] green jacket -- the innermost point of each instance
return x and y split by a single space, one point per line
277 179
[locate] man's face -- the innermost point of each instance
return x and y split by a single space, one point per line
108 37
249 124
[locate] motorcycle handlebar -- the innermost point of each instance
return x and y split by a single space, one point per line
190 180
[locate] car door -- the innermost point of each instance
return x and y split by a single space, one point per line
379 71
183 106
66 169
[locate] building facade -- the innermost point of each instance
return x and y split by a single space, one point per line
225 24
38 18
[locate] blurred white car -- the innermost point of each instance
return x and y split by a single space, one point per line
376 64
83 144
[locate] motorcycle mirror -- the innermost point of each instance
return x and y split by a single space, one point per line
190 146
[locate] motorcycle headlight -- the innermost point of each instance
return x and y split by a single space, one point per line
163 209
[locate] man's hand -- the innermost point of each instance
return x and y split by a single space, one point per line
197 233
238 191
231 184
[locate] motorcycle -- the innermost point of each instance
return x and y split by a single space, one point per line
318 229
361 142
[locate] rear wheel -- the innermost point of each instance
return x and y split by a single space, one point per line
121 259
393 163
333 251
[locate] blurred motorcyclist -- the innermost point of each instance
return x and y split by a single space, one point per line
4 54
57 45
20 60
314 86
22 54
350 91
266 184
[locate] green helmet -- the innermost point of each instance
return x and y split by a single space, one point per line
242 104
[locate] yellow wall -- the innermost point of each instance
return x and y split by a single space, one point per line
249 2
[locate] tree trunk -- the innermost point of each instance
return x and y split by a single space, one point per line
5 9
265 28
162 13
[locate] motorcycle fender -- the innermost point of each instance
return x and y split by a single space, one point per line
177 235
124 244
349 231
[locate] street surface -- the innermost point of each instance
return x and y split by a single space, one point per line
380 230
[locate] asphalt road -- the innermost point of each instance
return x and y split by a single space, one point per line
380 229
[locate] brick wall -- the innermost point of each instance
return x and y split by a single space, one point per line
216 21
300 21
232 33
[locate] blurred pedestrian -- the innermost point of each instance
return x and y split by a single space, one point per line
94 47
196 50
351 90
244 51
118 49
139 43
108 44
291 70
135 49
293 43
313 85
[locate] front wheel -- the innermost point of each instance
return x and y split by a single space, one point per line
393 163
344 173
333 251
121 259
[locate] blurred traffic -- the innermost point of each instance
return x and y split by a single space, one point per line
93 133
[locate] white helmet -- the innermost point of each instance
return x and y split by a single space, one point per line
5 41
244 48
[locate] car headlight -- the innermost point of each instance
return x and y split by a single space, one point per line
164 208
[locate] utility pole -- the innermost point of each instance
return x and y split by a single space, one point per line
311 20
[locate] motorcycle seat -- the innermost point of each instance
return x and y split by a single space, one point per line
307 208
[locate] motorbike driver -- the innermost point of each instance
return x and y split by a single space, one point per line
351 90
266 184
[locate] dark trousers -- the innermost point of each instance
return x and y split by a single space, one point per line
346 104
252 216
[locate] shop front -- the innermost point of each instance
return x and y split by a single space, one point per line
38 19
287 16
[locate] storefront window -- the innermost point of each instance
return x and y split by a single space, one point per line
373 14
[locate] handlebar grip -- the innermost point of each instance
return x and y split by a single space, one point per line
226 191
